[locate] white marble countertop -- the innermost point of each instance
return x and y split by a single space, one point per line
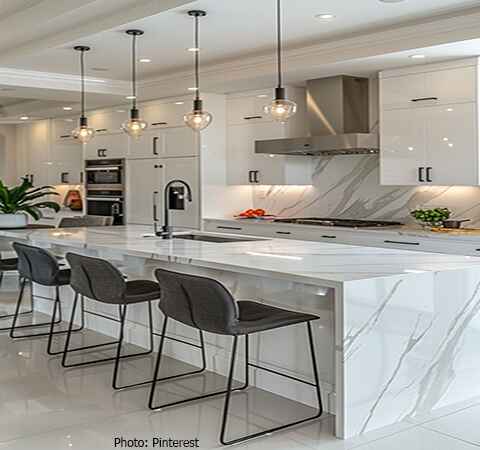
404 230
307 262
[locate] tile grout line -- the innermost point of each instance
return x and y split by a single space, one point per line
452 437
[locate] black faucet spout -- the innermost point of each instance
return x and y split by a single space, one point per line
166 232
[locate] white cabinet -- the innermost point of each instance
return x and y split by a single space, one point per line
62 129
146 180
167 143
161 115
109 121
66 163
434 140
107 146
246 124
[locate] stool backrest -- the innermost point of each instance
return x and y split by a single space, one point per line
96 278
36 264
197 301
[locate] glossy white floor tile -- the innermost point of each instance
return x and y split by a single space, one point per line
463 425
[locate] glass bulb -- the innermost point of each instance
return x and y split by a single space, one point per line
281 109
134 127
83 133
198 120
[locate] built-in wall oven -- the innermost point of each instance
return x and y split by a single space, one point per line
105 188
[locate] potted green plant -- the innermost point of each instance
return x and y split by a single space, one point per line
19 201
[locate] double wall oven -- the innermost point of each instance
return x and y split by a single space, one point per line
105 188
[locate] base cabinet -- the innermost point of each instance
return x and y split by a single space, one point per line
146 180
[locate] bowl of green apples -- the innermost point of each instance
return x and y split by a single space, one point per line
433 217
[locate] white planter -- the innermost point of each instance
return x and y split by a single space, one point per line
13 220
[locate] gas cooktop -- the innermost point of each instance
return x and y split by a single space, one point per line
329 222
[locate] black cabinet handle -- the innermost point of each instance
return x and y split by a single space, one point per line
424 99
102 152
283 232
63 136
101 130
228 228
253 176
158 166
160 123
252 117
81 177
31 178
155 140
429 174
326 236
401 242
420 175
64 177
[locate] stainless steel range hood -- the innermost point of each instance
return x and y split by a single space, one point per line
338 113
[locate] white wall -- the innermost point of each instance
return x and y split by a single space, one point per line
8 168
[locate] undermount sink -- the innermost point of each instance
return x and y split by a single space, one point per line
212 238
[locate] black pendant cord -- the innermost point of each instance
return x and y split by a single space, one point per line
134 72
279 44
197 60
82 72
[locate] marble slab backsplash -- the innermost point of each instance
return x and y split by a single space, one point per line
348 187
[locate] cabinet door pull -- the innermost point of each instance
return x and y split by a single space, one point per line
401 242
251 178
81 177
100 130
283 232
64 177
155 150
429 174
423 99
64 136
252 117
420 175
31 178
228 228
158 166
328 236
257 174
160 123
155 215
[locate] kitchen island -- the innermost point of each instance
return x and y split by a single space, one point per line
398 331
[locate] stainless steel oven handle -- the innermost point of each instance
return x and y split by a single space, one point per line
99 168
104 199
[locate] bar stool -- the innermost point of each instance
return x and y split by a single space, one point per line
10 265
205 304
99 280
37 265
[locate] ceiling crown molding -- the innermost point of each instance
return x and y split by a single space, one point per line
59 81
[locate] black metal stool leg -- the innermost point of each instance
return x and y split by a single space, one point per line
316 384
191 399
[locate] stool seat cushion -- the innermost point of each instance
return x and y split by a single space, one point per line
141 291
8 264
254 317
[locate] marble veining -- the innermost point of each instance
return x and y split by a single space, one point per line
348 187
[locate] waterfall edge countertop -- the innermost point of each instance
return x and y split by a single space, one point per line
316 263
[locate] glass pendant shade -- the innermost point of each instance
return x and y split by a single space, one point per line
83 132
281 109
198 119
134 126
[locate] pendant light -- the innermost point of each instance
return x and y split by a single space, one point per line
83 133
134 126
281 109
198 119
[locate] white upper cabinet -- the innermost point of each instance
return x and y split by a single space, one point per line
107 146
165 115
107 122
429 125
248 123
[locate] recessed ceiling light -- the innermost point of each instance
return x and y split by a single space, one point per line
67 108
179 103
99 69
193 88
193 49
325 17
130 97
24 118
418 56
262 96
145 60
449 109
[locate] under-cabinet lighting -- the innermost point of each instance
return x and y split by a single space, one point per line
273 255
418 56
179 103
145 60
67 108
193 89
24 118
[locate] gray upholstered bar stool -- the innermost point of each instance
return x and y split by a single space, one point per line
205 304
99 280
37 265
10 265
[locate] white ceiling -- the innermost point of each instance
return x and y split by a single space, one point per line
233 29
237 45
